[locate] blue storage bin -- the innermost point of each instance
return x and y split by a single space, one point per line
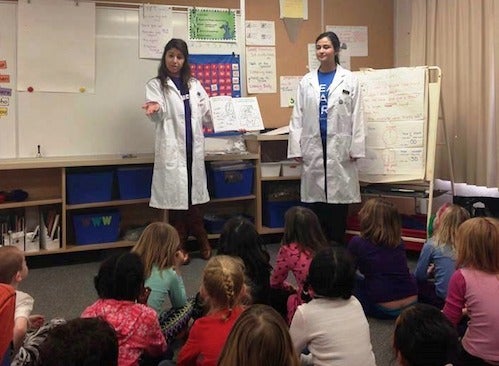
231 180
87 187
274 211
134 182
103 227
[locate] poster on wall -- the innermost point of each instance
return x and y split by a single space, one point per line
155 30
219 74
212 25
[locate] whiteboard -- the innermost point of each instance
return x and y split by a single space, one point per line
111 120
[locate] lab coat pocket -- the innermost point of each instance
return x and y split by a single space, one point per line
167 152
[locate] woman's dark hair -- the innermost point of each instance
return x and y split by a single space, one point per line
334 40
239 238
120 277
80 342
303 228
425 337
332 274
185 71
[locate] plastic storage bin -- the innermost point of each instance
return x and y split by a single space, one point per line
87 187
134 182
231 179
102 227
291 168
274 211
270 169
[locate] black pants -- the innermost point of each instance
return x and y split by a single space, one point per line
333 219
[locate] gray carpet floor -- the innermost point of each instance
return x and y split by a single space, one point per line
62 286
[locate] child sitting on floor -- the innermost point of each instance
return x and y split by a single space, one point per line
222 289
438 258
119 284
474 290
332 325
13 270
160 252
302 238
386 286
239 238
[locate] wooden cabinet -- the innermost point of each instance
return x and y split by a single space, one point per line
44 179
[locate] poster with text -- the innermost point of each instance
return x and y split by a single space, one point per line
212 25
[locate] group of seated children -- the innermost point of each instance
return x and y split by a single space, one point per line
243 305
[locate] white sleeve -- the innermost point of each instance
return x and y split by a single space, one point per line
24 305
358 147
296 126
154 93
298 331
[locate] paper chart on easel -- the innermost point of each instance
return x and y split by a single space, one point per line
396 120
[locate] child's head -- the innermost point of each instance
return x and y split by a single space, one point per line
157 246
120 277
13 268
423 336
223 281
302 226
239 238
380 222
477 244
332 274
259 337
79 342
448 223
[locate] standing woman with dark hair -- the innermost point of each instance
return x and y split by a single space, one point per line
178 105
326 133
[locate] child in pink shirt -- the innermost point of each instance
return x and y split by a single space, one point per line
303 237
474 289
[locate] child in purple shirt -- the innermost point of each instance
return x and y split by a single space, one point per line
386 286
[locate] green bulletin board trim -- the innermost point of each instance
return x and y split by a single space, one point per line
212 25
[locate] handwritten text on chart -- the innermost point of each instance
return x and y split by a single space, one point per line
3 111
393 94
395 134
155 29
4 101
261 69
392 161
3 64
6 92
4 78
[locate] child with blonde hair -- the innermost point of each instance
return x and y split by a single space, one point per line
160 251
386 286
303 237
13 270
222 289
474 289
438 258
259 337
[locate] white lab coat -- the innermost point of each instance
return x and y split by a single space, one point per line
345 138
169 182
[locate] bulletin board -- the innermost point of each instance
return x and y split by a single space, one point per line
109 121
291 54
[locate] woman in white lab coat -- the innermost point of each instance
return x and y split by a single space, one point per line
178 105
326 133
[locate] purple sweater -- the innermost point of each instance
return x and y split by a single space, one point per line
385 270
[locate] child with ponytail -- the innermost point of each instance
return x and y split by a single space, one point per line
223 291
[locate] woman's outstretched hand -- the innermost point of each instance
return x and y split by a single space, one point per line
151 107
